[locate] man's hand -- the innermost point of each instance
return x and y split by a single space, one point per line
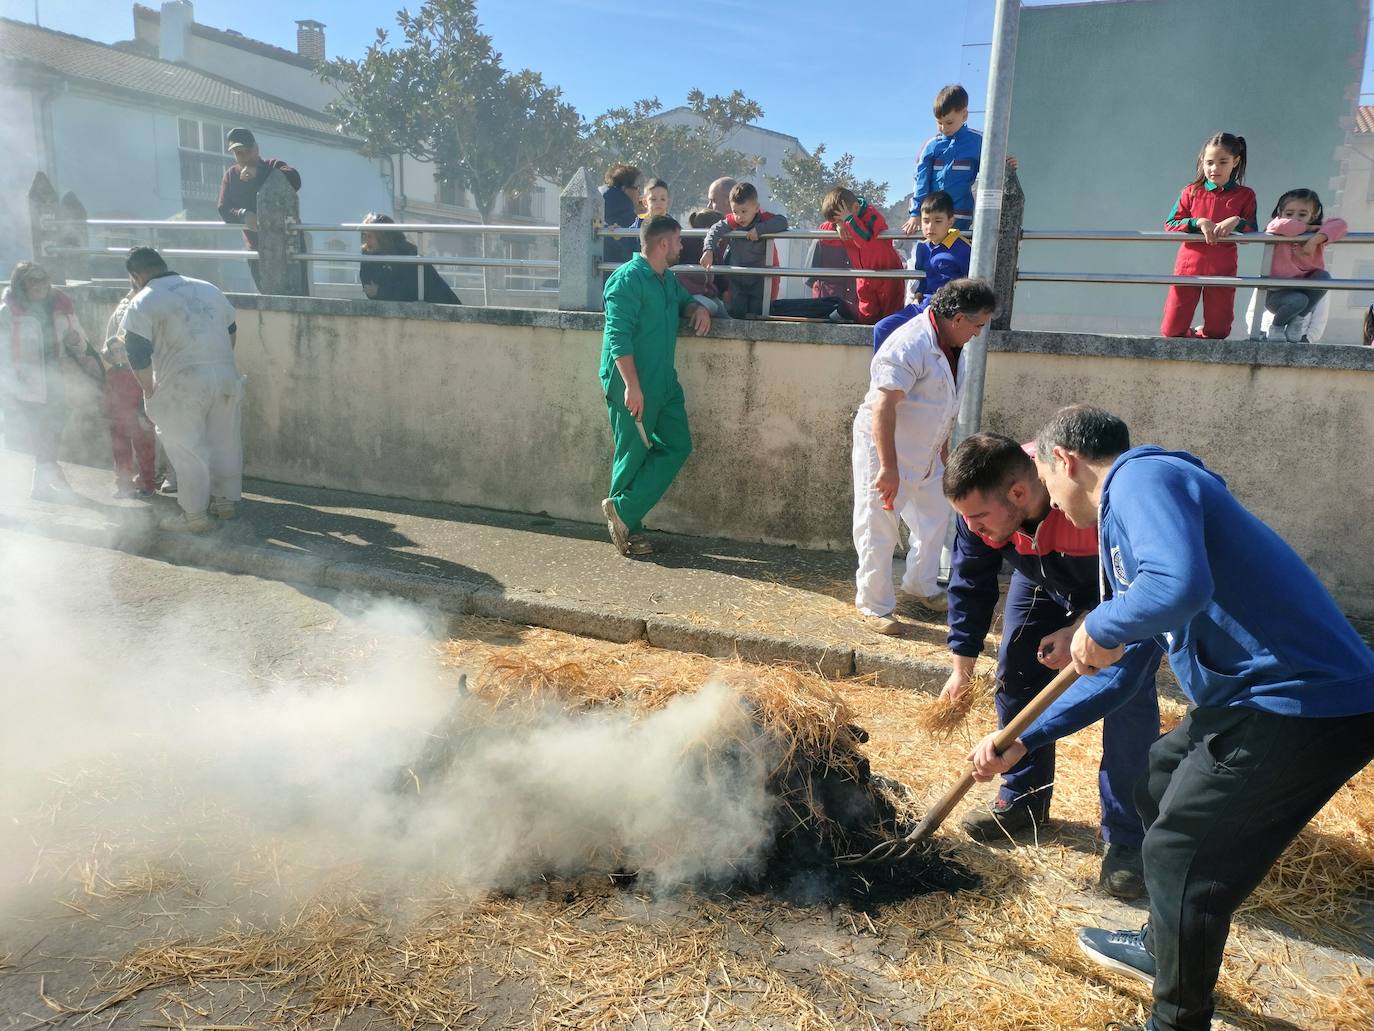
887 483
987 764
752 236
1227 226
707 258
247 173
959 678
1089 656
911 225
700 320
250 220
1012 163
1054 649
634 400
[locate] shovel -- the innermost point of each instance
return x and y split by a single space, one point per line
900 848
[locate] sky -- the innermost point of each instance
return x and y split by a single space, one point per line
812 80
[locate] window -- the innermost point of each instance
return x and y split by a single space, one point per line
450 193
203 160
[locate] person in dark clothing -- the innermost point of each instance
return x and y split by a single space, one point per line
238 190
620 197
400 281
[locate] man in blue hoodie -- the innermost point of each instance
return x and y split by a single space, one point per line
1282 687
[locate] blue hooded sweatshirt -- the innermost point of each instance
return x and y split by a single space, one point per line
1243 619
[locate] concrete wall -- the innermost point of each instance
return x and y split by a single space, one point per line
1112 102
503 409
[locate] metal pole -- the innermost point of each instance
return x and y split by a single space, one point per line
987 211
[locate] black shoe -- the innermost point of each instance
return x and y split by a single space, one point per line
1123 872
1122 951
1003 820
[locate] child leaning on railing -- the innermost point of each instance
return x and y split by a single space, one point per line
1298 212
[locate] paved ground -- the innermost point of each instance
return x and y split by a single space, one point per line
712 596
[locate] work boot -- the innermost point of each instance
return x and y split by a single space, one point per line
922 606
620 533
223 508
1017 820
1123 872
887 626
185 522
1122 951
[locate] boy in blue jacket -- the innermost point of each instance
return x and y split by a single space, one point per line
1282 687
949 161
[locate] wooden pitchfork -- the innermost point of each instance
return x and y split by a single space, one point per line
900 848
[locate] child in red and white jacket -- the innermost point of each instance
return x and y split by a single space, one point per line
1216 205
1297 213
860 227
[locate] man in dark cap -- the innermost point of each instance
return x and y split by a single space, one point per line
238 190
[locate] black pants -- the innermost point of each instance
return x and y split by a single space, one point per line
1226 792
746 295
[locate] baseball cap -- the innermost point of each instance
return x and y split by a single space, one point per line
239 138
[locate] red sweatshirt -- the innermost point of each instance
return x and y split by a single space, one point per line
1216 203
878 298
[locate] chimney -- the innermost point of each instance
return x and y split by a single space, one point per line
174 30
310 40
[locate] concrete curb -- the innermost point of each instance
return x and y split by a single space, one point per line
465 598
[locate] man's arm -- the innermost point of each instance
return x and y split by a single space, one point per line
689 308
973 591
230 214
292 176
885 438
140 351
1160 513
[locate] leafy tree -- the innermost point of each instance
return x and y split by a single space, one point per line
445 97
687 156
807 178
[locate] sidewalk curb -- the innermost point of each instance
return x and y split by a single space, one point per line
465 598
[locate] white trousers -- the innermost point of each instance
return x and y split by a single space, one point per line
921 505
198 417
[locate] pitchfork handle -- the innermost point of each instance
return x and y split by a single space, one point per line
1004 739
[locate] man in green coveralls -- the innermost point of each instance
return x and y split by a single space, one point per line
648 413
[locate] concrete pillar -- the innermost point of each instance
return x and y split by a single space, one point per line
581 213
1008 248
278 205
72 231
43 216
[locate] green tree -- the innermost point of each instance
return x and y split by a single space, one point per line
445 97
687 156
807 178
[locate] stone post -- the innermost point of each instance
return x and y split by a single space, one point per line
43 215
1008 248
278 205
72 231
581 213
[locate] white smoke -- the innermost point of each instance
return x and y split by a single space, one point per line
170 745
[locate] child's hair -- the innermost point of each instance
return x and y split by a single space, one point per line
1303 194
622 175
1367 330
1233 145
835 206
704 218
950 99
742 193
938 203
655 182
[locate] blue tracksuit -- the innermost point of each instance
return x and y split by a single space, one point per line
950 163
941 262
1054 580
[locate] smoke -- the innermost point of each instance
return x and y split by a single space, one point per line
145 730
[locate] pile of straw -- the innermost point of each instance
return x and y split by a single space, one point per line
943 716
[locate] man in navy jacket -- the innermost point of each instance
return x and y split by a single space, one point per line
1004 515
1282 686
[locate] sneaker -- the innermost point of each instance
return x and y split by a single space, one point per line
1277 334
169 486
888 626
185 522
620 533
222 508
1003 820
1123 872
639 545
1296 330
124 490
1122 951
922 605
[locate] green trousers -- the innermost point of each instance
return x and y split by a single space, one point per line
640 476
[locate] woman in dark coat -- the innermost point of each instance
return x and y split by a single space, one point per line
399 281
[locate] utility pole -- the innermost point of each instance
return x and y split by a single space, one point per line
987 211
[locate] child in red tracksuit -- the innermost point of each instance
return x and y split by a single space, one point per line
1216 205
131 434
860 226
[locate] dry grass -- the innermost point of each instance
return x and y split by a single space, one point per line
943 716
588 955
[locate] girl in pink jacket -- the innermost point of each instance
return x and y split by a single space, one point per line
1298 213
